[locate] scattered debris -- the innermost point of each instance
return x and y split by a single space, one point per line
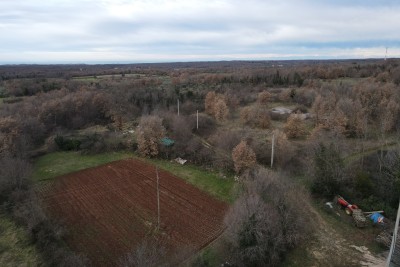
384 238
376 217
359 218
329 204
304 116
180 161
281 110
353 210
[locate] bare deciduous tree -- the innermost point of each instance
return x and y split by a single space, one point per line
268 220
14 174
150 253
256 116
284 150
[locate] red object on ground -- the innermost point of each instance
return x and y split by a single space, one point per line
107 210
341 201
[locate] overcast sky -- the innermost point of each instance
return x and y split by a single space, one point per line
96 31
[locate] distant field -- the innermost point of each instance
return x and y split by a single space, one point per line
110 208
92 78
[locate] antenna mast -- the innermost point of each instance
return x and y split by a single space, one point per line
386 53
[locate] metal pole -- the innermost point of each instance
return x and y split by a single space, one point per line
197 119
272 150
178 107
394 238
158 200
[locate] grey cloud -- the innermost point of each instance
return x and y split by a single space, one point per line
197 28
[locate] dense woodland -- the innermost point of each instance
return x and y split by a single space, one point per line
340 137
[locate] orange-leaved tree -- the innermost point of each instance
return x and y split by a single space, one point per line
149 134
243 157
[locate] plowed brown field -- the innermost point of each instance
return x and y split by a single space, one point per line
107 210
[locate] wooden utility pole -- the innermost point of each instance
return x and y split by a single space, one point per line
158 200
394 238
272 150
178 107
197 119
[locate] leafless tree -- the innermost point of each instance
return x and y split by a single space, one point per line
271 218
256 116
150 253
14 174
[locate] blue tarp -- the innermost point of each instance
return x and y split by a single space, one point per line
377 217
167 141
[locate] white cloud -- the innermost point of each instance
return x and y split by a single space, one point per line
153 30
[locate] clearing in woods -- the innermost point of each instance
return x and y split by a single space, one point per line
109 209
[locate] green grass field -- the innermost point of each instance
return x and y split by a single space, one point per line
49 166
15 247
208 181
58 163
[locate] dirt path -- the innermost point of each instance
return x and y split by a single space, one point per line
331 248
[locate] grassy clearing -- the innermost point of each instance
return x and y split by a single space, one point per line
208 181
15 247
55 164
58 163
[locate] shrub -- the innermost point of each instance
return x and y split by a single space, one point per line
269 220
329 174
67 144
294 127
256 116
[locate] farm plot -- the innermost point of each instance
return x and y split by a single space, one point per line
109 209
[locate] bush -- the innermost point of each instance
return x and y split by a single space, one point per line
265 223
329 174
65 144
363 184
294 127
256 116
14 175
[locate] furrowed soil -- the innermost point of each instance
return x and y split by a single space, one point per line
109 209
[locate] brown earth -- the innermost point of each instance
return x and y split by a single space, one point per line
109 209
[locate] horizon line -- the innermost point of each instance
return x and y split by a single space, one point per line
110 62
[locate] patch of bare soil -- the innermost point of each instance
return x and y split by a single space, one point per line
332 248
